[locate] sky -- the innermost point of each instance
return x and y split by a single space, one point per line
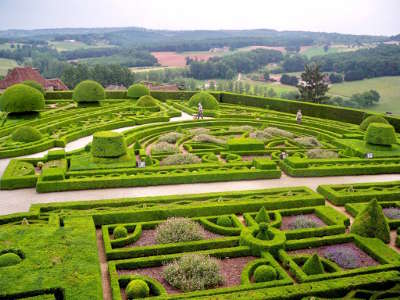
374 17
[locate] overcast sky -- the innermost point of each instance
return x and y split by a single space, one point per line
380 17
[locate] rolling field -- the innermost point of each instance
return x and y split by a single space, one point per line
6 64
174 59
387 87
69 45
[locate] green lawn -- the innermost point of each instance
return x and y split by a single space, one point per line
70 46
387 87
6 64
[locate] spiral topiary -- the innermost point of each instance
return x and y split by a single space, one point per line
137 288
108 144
146 101
372 119
380 134
264 273
135 91
88 91
224 221
34 84
9 259
26 134
207 101
21 98
120 232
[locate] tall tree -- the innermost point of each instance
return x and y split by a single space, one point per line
313 86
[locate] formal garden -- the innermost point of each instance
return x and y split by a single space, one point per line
336 242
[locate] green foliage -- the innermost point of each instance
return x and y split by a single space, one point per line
9 259
372 119
26 134
314 87
171 137
175 230
245 144
264 273
146 101
120 232
224 221
163 147
371 222
21 98
180 159
34 84
51 174
313 265
88 91
108 144
135 91
321 153
263 232
137 288
262 216
380 134
207 100
148 161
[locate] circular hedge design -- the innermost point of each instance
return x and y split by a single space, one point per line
138 90
88 91
372 119
146 101
21 98
34 84
264 273
120 232
9 259
207 101
137 288
380 134
108 144
26 134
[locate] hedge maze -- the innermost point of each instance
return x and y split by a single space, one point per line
338 242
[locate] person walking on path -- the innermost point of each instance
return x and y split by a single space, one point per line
200 112
299 116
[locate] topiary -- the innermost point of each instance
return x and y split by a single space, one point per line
313 266
224 221
108 144
207 101
120 232
21 98
262 216
175 230
263 232
9 259
264 273
137 90
26 134
146 101
372 119
371 222
380 134
88 91
34 84
137 288
148 161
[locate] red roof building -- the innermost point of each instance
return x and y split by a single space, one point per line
20 74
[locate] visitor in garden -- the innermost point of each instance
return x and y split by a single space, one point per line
283 155
299 116
200 112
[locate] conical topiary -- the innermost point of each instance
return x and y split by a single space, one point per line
313 266
262 216
263 233
371 222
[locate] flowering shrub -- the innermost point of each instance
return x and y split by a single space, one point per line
180 159
301 222
321 153
175 230
206 138
163 147
308 141
171 137
278 132
200 130
392 212
260 135
241 128
345 258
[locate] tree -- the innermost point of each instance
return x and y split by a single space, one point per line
313 86
266 75
289 80
335 78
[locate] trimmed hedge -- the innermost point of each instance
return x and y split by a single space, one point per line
146 101
207 101
34 84
245 144
108 144
26 134
372 119
380 134
20 98
138 90
88 91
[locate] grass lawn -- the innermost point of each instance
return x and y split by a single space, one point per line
387 87
69 46
6 64
319 50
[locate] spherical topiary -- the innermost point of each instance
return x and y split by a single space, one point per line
138 90
146 101
20 98
224 221
108 144
264 273
26 134
120 232
207 100
380 134
137 288
34 84
372 119
9 259
88 91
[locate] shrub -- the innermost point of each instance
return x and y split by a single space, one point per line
34 84
193 272
308 141
137 288
146 101
241 128
207 101
171 137
206 138
26 134
345 258
264 273
301 222
120 232
163 147
148 161
263 232
135 91
224 221
180 159
380 134
175 230
262 216
372 119
20 98
200 130
9 259
278 132
88 91
371 222
245 144
108 144
313 266
321 153
260 135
